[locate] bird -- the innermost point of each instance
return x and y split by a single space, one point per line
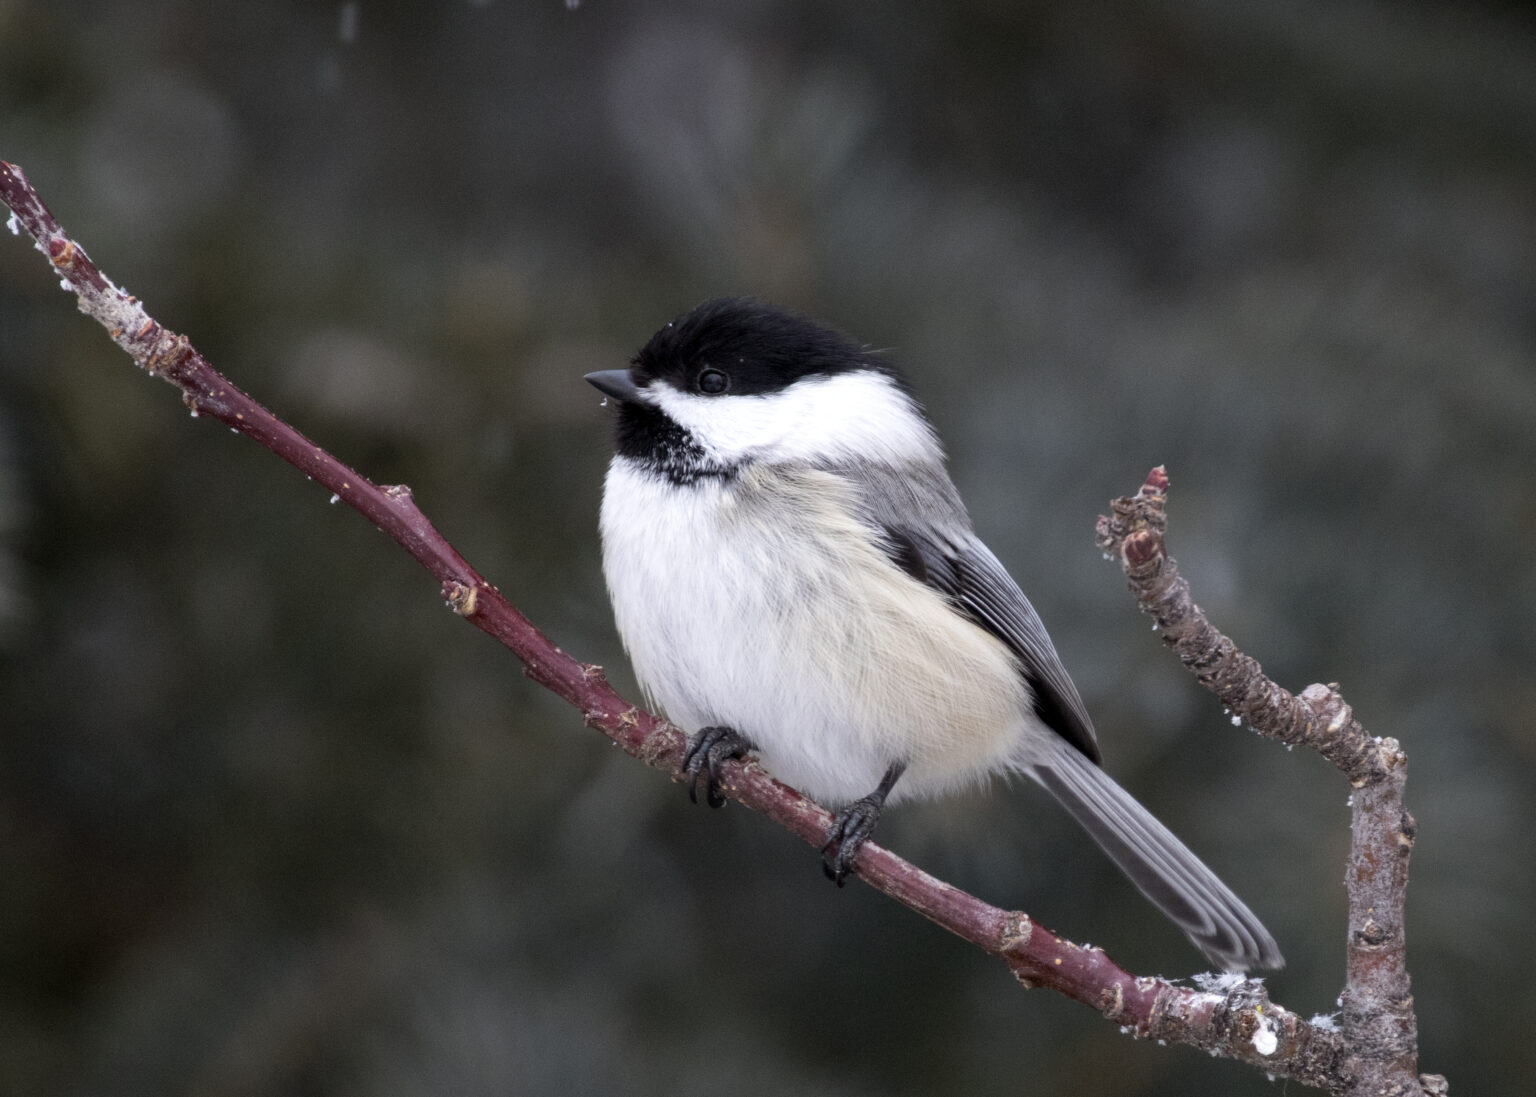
793 574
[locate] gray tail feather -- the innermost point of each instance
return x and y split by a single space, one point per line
1160 866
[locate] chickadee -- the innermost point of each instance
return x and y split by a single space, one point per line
793 573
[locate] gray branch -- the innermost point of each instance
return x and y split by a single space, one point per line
1381 1036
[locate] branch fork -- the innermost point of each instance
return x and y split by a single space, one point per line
1380 1031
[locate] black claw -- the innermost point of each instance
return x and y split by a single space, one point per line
710 748
852 827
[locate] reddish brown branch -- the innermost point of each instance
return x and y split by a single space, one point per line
1379 1026
1230 1017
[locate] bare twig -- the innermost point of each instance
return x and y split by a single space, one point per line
1318 719
1231 1016
1380 1030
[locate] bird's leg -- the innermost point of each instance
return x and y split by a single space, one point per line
852 826
706 751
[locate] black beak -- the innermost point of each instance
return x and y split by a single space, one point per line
616 383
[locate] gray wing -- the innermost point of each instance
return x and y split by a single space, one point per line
928 535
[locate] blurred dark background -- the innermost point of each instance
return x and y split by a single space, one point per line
272 821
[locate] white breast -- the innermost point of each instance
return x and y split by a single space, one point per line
762 605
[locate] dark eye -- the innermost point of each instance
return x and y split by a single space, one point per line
713 382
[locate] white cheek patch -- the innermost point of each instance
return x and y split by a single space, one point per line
856 415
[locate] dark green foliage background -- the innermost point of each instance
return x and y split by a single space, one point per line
273 821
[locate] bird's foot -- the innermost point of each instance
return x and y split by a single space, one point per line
707 751
851 828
